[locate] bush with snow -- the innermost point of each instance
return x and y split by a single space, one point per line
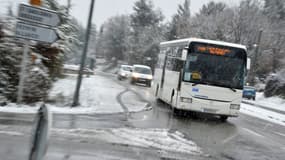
275 85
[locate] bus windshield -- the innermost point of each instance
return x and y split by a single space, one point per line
214 70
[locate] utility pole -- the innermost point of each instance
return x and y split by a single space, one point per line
82 64
256 54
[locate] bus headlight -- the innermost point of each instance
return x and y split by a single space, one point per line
235 106
186 100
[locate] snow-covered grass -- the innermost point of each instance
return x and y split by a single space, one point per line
71 67
275 102
263 114
98 95
161 139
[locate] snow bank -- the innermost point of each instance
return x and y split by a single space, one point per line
161 139
98 95
264 114
71 67
275 102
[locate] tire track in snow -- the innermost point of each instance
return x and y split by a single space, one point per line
119 99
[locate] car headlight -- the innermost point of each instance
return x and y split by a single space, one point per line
135 75
186 100
235 106
149 77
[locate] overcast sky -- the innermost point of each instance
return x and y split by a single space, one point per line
107 8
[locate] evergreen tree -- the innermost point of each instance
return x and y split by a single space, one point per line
113 39
37 81
180 24
145 33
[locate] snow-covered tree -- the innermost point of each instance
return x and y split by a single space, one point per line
37 83
113 39
145 33
180 24
275 85
68 37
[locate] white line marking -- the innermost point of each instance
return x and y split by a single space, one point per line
280 134
252 132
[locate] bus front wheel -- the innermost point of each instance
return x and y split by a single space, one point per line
223 118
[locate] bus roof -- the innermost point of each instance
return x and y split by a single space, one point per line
186 41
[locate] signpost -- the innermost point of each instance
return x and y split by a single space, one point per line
35 24
40 133
36 33
38 15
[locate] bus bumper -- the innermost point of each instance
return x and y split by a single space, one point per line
210 107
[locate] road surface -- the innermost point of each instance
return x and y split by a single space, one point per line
80 136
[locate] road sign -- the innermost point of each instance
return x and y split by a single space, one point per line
38 15
36 33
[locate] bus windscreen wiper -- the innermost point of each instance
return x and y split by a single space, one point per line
234 90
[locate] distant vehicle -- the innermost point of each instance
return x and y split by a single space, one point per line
201 75
141 74
124 72
249 92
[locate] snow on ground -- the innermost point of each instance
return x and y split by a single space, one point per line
271 102
263 114
71 67
98 95
161 139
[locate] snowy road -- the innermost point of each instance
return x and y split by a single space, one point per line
150 134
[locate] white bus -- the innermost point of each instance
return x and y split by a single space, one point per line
201 75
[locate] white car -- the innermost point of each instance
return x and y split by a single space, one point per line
141 74
124 72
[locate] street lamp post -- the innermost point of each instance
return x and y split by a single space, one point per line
255 58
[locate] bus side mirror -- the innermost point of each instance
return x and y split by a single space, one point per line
248 63
184 54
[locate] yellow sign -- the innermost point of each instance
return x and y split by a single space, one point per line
36 2
196 76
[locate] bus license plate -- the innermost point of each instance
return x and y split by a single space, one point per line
209 110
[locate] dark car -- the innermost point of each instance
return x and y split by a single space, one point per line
249 92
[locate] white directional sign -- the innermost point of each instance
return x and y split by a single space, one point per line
38 15
36 33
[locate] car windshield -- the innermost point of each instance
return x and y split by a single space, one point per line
142 70
249 89
127 68
214 70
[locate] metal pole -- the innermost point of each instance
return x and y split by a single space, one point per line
79 78
23 73
256 54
